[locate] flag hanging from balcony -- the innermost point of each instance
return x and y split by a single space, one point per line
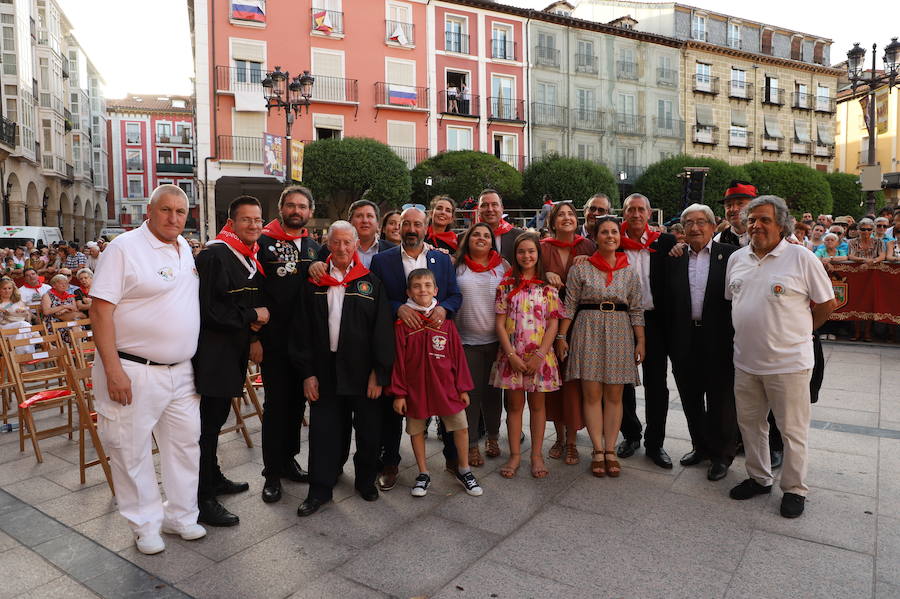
249 10
399 35
402 96
322 21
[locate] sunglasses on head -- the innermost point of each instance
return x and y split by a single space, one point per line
416 206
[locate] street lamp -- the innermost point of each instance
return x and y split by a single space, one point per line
290 95
858 77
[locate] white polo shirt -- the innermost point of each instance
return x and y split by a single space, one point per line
32 296
156 290
770 307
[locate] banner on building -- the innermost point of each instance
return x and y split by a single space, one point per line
273 155
864 105
297 160
249 10
882 101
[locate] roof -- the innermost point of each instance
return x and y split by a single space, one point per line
150 103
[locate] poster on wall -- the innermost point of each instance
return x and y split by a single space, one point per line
273 155
297 160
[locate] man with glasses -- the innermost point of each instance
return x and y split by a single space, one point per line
595 207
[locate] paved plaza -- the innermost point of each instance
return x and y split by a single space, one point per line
651 533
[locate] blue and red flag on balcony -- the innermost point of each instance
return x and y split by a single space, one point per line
249 10
404 96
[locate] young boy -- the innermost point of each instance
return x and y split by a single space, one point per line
431 378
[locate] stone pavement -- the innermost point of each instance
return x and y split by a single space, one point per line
650 533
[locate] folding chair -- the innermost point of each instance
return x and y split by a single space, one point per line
240 416
57 328
83 349
80 381
7 382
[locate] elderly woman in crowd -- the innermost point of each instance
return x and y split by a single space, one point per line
58 305
882 224
560 249
84 277
13 311
479 270
390 227
868 250
442 211
830 251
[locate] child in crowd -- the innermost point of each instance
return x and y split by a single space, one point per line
528 312
431 378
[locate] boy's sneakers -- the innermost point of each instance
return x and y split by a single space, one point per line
421 487
468 481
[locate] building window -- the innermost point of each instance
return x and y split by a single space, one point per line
399 28
823 98
502 45
506 149
734 35
163 132
162 157
134 160
459 138
738 84
185 157
455 38
698 27
586 151
819 53
135 187
772 95
132 133
247 71
188 188
796 46
766 44
703 80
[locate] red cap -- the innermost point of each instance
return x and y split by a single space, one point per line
739 190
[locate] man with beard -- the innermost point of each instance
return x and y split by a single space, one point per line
595 207
285 251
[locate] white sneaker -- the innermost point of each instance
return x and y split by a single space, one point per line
149 544
191 532
421 487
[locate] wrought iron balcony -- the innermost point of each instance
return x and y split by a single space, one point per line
457 103
668 128
740 90
771 144
589 119
548 115
802 101
399 32
506 109
666 77
503 49
411 156
586 63
7 132
706 84
626 69
772 95
327 22
394 95
825 104
629 124
335 89
801 148
824 150
740 138
708 136
546 56
172 167
240 149
456 42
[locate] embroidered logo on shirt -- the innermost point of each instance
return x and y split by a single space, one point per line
364 287
735 286
439 342
777 289
167 273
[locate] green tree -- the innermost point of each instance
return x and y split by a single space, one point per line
661 184
566 180
848 198
465 173
803 188
340 171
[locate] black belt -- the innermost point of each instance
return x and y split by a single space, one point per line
140 360
603 307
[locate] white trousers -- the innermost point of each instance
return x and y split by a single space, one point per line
164 403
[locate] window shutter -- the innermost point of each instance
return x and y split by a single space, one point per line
738 118
801 131
772 128
401 134
327 64
705 115
249 124
826 136
247 50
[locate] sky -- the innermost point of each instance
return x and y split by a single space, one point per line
143 46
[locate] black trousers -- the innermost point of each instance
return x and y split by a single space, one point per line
213 414
707 396
392 434
282 413
656 393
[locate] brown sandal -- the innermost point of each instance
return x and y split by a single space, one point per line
475 459
613 469
598 468
492 448
556 451
572 457
507 471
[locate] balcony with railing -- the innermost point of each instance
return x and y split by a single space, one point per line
134 166
506 109
327 22
704 135
549 115
740 138
740 90
772 96
456 42
399 32
335 89
668 128
403 97
517 161
771 144
666 77
824 150
825 104
411 156
705 84
629 124
586 63
234 79
631 172
626 69
7 132
801 148
588 119
240 149
182 138
545 56
503 49
174 167
801 101
458 104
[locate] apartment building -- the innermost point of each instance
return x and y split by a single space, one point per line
151 143
54 124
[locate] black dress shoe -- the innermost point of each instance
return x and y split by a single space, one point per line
271 491
293 471
309 507
229 487
660 457
692 458
749 488
369 495
717 471
777 457
214 513
792 505
626 448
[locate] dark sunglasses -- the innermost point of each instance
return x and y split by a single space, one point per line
881 226
866 229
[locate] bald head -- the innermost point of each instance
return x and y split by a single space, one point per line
412 229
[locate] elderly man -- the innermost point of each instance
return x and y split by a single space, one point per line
699 317
596 206
93 254
738 195
393 268
490 211
146 321
363 215
646 251
772 284
825 220
343 347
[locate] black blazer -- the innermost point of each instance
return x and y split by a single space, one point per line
658 267
717 331
507 243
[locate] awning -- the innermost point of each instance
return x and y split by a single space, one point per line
705 116
772 128
739 118
801 131
826 135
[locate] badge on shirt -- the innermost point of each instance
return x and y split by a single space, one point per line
281 271
166 273
364 287
735 286
439 342
310 253
777 289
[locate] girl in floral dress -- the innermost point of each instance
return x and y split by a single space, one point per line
528 312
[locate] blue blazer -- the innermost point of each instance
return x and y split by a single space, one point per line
388 266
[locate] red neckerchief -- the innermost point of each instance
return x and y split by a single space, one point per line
563 244
355 272
86 292
448 237
38 286
494 260
227 236
522 285
627 243
503 227
600 263
276 231
63 295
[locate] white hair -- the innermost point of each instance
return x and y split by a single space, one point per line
782 216
342 225
828 236
866 221
706 210
883 219
636 196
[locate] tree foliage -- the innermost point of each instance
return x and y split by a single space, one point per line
566 180
465 173
340 171
803 188
665 190
849 198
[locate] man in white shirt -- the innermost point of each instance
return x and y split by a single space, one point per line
32 288
92 251
771 284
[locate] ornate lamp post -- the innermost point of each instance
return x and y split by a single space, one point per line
290 95
858 77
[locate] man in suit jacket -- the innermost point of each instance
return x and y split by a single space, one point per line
393 267
647 251
490 211
701 337
364 216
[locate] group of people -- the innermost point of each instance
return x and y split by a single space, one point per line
453 326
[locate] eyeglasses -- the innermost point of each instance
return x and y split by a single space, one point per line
416 206
881 226
247 220
599 209
702 222
866 229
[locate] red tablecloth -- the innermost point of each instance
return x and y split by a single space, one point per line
871 293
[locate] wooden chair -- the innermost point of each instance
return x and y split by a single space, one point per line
83 347
7 382
252 381
80 381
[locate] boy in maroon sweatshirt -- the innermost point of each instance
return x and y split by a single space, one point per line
431 378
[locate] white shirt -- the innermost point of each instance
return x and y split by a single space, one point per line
640 261
365 256
476 320
33 296
156 290
410 263
698 274
743 238
770 307
92 262
335 297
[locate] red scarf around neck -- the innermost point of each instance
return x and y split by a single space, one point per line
63 295
600 263
502 228
494 260
522 285
276 231
228 237
448 237
627 243
355 272
38 286
563 244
